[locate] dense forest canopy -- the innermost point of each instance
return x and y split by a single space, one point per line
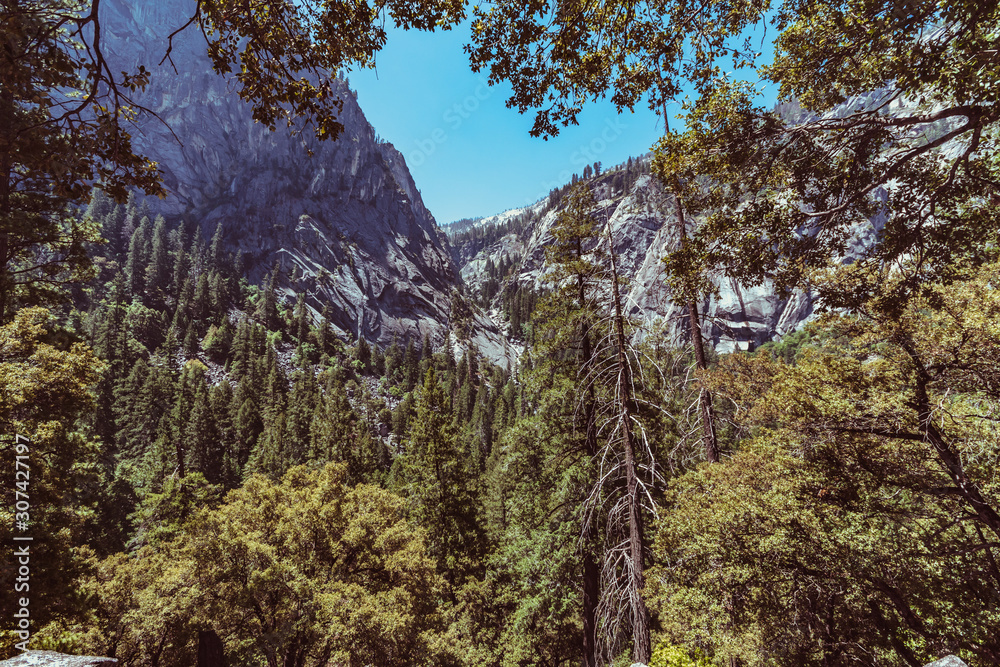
207 456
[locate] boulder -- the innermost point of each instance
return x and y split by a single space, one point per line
948 661
54 659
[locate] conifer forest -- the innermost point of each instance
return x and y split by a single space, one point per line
264 404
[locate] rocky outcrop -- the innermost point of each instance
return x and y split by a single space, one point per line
644 227
644 230
948 661
53 659
345 225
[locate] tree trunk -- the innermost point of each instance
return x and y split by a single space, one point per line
210 650
591 595
641 643
6 167
704 397
591 571
180 454
947 456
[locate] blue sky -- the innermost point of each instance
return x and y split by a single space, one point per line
469 154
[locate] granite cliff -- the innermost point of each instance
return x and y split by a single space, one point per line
644 231
346 225
643 225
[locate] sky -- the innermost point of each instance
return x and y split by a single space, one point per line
470 155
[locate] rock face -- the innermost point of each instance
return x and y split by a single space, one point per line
644 230
948 661
346 226
53 659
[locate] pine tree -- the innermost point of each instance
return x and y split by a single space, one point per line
449 355
170 452
275 389
323 333
547 456
198 254
394 362
378 361
426 355
301 320
201 302
130 220
247 427
215 257
267 308
364 355
140 417
182 315
411 366
338 434
138 258
433 474
219 294
270 457
465 403
170 346
219 341
180 270
403 415
302 405
113 226
591 280
132 412
482 422
158 271
111 342
242 350
221 397
205 451
100 207
191 345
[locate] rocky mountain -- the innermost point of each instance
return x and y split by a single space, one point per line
644 231
346 226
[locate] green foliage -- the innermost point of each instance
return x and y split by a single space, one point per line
332 572
669 655
831 534
557 58
58 135
461 316
434 475
315 37
790 346
882 158
160 517
46 392
853 520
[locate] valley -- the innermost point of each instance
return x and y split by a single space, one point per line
731 402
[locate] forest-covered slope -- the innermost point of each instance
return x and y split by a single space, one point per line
342 219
